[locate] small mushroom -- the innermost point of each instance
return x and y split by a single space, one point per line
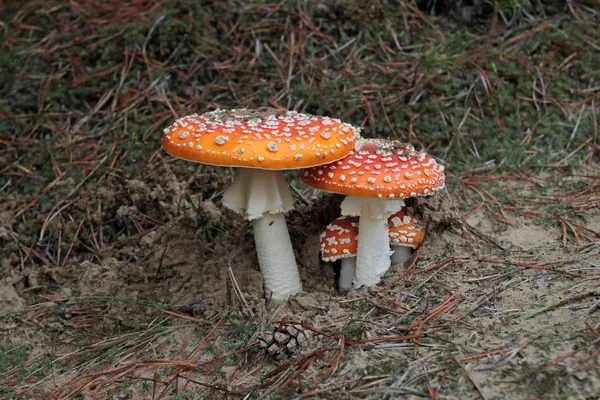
264 142
405 234
340 241
376 177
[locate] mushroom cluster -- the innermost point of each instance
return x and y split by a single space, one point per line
376 175
339 241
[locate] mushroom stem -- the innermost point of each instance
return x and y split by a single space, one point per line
276 257
262 196
347 274
373 254
401 254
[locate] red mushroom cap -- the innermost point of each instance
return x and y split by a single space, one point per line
265 138
379 168
404 230
340 239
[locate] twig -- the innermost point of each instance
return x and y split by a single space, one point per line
577 297
468 374
238 291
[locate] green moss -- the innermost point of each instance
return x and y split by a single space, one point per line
13 357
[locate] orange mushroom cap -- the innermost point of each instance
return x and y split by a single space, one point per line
404 230
340 239
265 138
379 168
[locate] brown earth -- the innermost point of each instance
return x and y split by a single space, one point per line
493 270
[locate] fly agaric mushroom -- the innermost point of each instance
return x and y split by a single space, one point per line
376 176
405 234
263 141
340 241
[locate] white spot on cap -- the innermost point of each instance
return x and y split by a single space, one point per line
221 140
182 134
331 241
409 175
272 146
298 157
342 177
387 179
371 179
261 159
325 135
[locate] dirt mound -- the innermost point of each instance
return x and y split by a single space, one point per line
305 225
10 301
436 213
184 264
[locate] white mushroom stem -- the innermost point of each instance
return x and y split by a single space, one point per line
276 256
373 255
401 254
262 196
347 274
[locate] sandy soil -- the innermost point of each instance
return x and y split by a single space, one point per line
184 265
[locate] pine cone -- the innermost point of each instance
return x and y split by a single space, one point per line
284 340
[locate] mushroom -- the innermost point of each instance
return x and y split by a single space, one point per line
339 240
405 234
376 176
264 142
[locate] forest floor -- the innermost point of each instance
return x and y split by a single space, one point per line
121 275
